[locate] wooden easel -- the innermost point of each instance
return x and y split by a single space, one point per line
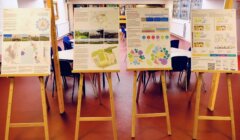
215 81
135 97
43 124
228 4
78 114
198 117
56 59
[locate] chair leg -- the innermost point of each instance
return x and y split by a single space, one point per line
73 87
65 82
84 89
154 77
118 77
145 85
138 76
180 77
103 79
46 81
53 86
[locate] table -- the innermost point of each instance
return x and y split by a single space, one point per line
180 52
66 55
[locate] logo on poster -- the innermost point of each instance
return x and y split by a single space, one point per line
42 24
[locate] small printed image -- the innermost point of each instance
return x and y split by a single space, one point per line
136 56
96 36
11 53
81 37
104 57
26 37
81 41
34 38
44 37
81 34
7 37
111 37
148 30
16 38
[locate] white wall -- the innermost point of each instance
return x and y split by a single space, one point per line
9 3
30 3
62 24
213 4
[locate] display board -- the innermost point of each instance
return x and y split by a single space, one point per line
148 38
196 4
176 9
96 39
214 40
26 41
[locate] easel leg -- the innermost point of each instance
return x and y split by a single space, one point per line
230 98
79 107
164 88
109 78
99 87
139 85
10 97
196 114
214 88
134 104
44 108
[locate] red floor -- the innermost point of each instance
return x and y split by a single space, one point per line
27 108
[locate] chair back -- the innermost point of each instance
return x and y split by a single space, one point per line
180 63
59 49
175 43
65 68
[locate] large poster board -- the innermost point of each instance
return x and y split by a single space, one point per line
148 38
26 41
96 39
214 40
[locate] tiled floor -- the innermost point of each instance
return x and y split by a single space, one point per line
27 108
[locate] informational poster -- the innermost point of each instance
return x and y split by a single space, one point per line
26 41
96 39
214 40
148 38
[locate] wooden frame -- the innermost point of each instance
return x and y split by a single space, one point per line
56 59
82 119
135 98
43 124
55 9
197 115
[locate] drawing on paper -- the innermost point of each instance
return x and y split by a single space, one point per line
104 57
11 54
136 56
157 55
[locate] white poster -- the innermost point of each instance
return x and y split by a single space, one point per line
96 39
148 38
214 40
26 41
